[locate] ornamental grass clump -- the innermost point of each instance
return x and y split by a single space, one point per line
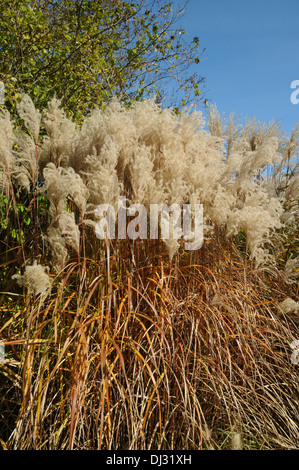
138 343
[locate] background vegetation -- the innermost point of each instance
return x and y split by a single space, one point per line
88 51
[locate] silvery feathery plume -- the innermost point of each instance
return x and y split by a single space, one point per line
289 305
6 156
291 270
35 279
66 233
290 308
28 151
236 440
61 182
58 249
61 135
68 229
171 231
30 115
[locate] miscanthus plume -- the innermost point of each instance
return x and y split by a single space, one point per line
153 156
35 279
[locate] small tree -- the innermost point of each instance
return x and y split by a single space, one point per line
87 51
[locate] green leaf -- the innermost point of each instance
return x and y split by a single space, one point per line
89 54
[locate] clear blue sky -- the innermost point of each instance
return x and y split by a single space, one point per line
252 55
